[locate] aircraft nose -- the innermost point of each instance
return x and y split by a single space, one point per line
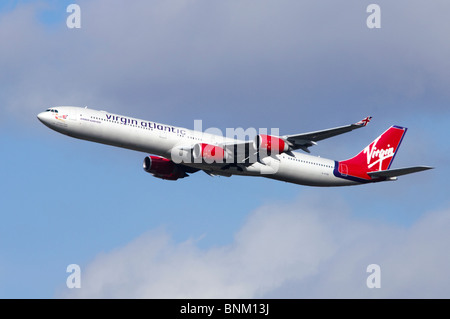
44 117
40 117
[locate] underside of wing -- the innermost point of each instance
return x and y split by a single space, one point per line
242 152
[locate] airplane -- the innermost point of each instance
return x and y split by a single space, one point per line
178 152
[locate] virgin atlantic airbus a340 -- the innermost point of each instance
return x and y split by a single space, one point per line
179 151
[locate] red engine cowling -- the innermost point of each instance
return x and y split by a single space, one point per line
272 144
209 153
164 168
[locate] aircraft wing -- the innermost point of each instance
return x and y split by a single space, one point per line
244 151
305 140
398 172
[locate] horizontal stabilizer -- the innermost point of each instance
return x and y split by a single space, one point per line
398 172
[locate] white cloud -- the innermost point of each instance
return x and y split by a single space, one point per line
307 248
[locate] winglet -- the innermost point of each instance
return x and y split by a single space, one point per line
364 121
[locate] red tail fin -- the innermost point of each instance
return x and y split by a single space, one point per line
377 156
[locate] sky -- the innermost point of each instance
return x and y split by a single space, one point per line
298 66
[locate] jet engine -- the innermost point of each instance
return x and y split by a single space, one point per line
209 153
164 168
272 144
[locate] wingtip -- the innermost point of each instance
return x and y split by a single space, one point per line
364 121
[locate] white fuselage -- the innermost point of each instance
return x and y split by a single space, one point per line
165 140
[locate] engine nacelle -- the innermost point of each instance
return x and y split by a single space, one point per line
209 153
272 144
164 168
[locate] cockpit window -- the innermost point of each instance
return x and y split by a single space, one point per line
51 110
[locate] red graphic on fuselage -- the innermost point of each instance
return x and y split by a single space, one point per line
61 118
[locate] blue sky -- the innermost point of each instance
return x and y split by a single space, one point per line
297 66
